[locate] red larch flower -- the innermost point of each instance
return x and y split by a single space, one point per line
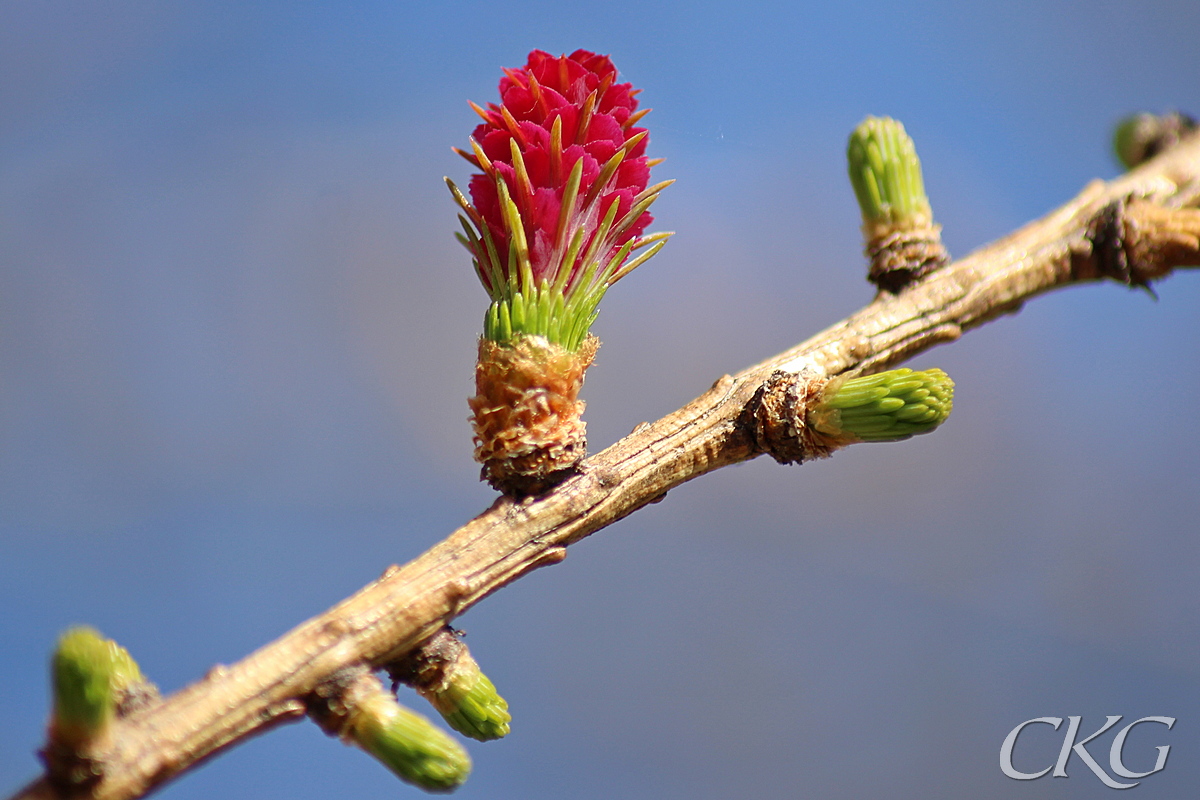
557 214
561 201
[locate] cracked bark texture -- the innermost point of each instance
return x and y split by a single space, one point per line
1128 230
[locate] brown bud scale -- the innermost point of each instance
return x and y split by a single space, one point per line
779 424
527 413
900 256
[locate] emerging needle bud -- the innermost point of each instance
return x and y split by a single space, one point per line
410 745
887 407
92 677
902 241
1140 137
470 703
367 715
557 214
444 673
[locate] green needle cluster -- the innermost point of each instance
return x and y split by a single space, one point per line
886 174
561 304
90 676
409 745
470 704
887 407
541 311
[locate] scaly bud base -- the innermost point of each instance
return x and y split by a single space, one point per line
900 256
529 434
780 425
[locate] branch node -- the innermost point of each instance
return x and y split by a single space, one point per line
777 414
555 554
329 705
1135 241
899 257
1106 233
424 666
1159 239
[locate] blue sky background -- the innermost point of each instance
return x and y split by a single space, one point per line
236 341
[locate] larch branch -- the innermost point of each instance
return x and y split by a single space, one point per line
1134 229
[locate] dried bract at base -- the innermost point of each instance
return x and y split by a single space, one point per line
527 413
899 257
780 425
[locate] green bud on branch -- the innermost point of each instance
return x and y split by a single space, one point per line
443 671
91 677
886 174
407 743
887 407
902 241
1140 137
471 705
469 702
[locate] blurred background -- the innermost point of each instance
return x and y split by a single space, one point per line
237 337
